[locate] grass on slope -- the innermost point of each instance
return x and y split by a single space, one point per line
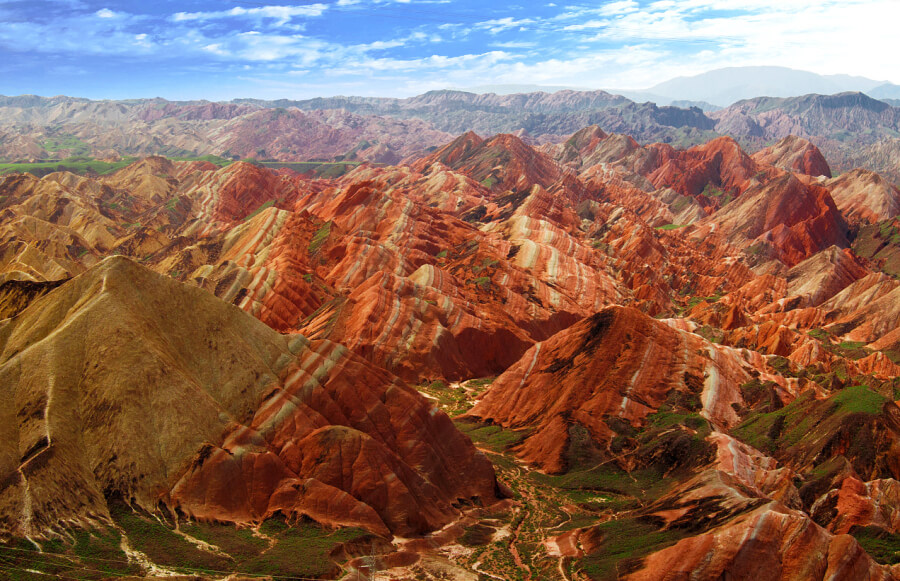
240 544
66 142
880 544
76 165
162 545
807 422
81 164
625 543
302 549
213 159
90 555
492 437
320 169
880 243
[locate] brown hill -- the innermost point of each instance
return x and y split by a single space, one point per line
101 366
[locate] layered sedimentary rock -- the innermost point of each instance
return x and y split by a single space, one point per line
864 196
771 542
785 218
617 363
794 154
100 370
772 291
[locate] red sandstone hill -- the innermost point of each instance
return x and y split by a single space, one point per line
503 162
617 364
719 164
101 368
783 219
794 154
622 391
864 197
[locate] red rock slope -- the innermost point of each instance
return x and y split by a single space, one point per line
130 384
794 154
618 363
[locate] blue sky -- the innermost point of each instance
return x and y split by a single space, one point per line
222 49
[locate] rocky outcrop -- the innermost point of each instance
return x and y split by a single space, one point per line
794 154
783 219
863 196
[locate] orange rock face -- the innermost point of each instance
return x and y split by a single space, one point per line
615 364
864 196
790 220
771 542
795 154
720 163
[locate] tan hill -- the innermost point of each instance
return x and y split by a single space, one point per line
101 369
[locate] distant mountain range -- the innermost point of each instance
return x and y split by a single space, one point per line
851 128
720 88
724 87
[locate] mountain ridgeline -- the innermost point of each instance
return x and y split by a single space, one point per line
852 129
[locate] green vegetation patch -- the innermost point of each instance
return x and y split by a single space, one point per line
881 545
492 437
482 281
481 381
453 401
671 226
711 334
607 478
66 142
302 550
880 244
711 191
319 237
76 165
477 535
261 208
162 545
92 555
681 204
213 159
820 334
858 399
807 422
624 543
240 544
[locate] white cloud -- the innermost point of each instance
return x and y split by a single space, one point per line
616 44
515 44
497 25
281 14
620 7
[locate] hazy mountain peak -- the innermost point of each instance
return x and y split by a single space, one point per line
727 85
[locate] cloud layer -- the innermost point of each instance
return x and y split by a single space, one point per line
403 47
